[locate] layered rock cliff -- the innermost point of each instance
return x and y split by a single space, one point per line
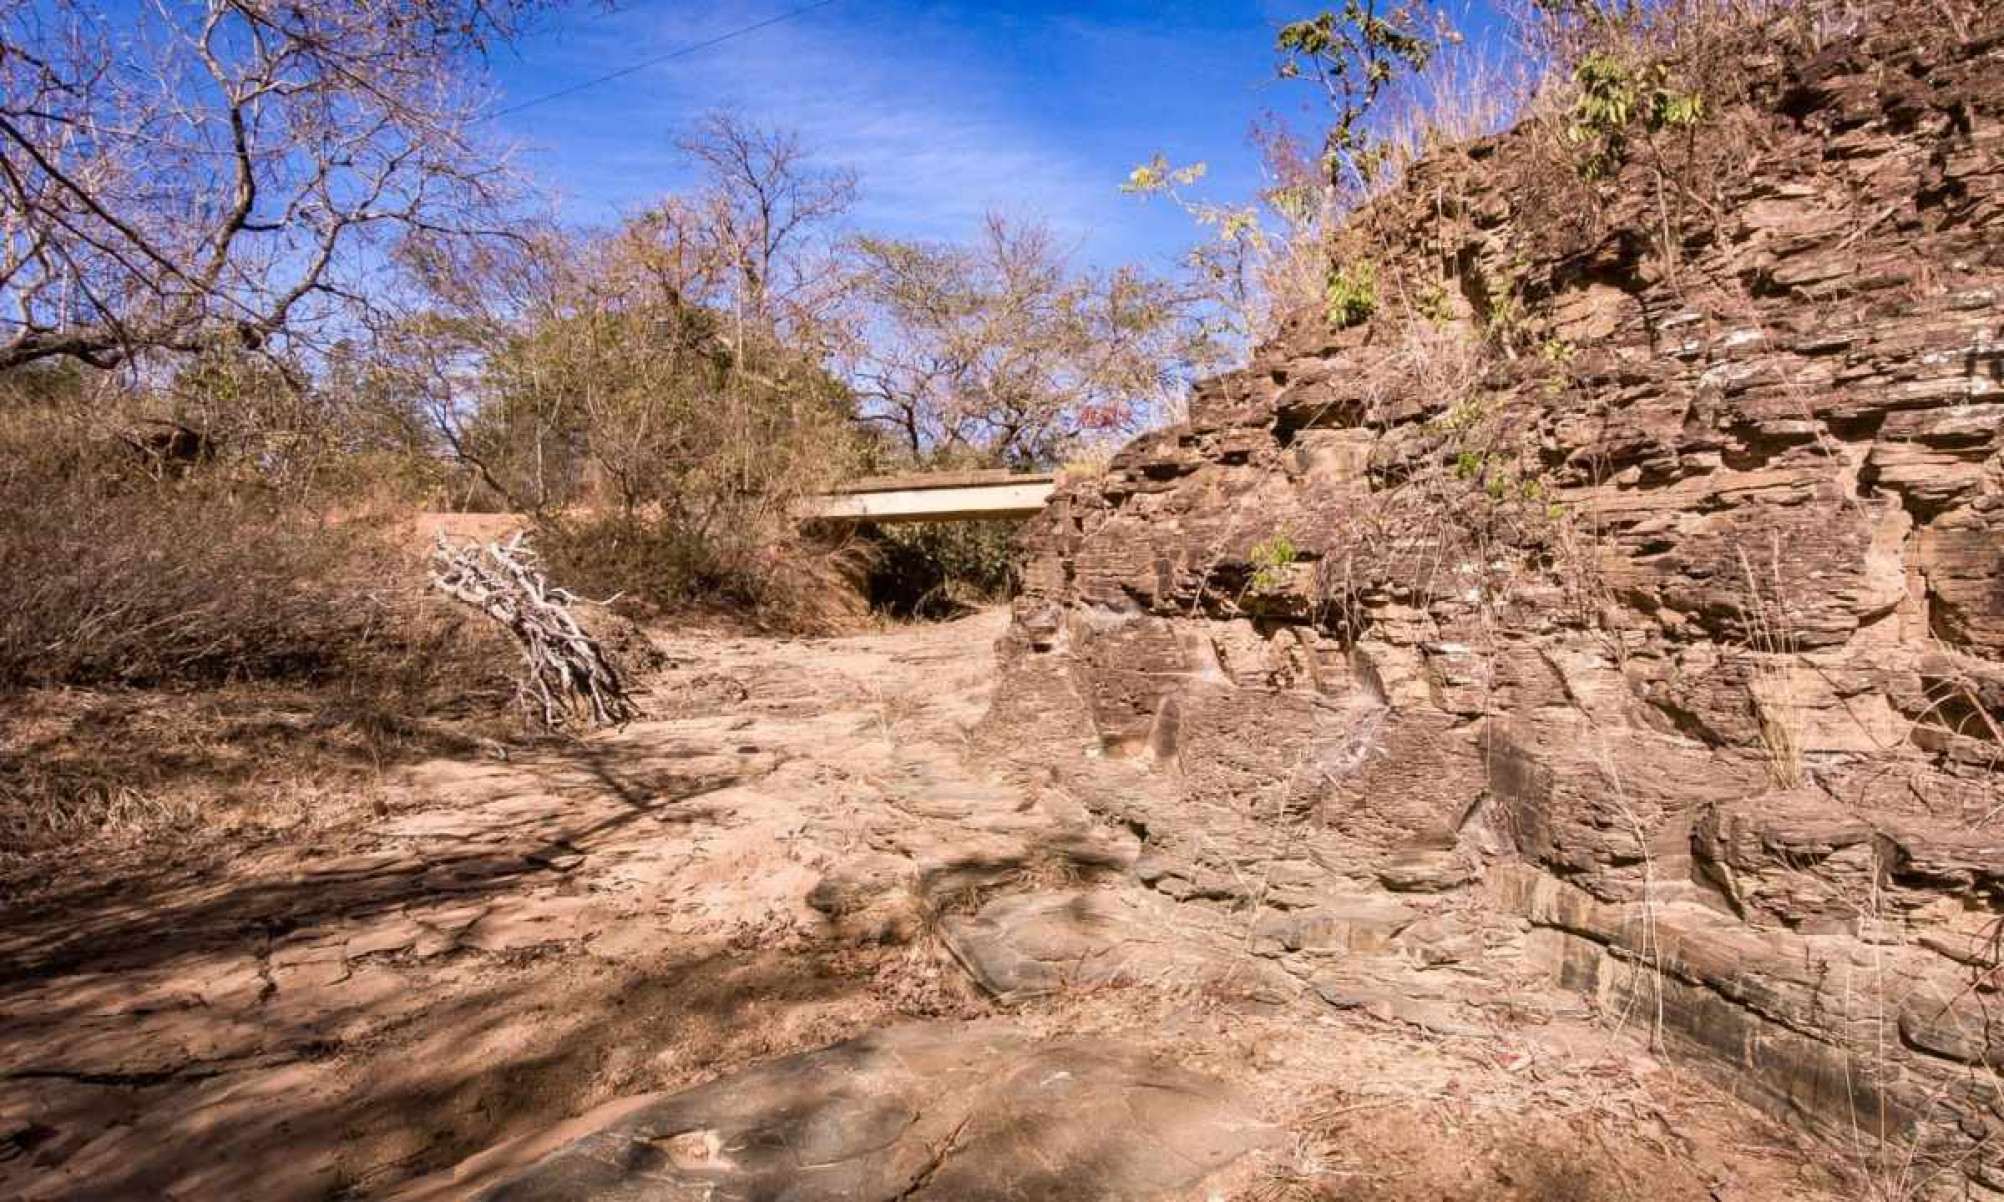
1625 595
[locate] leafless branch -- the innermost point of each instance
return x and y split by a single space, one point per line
172 174
566 674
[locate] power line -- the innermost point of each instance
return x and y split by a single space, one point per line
133 135
657 60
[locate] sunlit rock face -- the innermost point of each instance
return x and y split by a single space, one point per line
1632 580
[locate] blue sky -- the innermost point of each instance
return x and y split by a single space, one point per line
946 110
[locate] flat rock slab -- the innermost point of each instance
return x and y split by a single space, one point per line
938 1111
1023 945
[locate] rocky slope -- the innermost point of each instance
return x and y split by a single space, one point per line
1623 600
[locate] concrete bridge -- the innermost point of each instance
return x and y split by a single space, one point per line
932 497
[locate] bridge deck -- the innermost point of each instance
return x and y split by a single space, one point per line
932 497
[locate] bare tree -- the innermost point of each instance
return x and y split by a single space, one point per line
1001 350
673 359
766 211
176 173
566 366
476 299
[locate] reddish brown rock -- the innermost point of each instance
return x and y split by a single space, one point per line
1647 586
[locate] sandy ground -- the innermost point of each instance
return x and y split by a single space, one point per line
439 990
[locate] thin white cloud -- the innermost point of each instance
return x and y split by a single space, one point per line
935 138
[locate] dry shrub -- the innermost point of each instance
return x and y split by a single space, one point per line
277 638
818 586
160 585
759 572
143 548
941 570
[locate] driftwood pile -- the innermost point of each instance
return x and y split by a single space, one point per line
566 674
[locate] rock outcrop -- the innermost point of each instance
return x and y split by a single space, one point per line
1626 595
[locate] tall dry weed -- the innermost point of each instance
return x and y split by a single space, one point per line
1771 644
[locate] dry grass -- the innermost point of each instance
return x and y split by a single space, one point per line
191 650
1771 645
758 571
1470 90
166 767
129 570
163 584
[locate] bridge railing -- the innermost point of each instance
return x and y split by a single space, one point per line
932 497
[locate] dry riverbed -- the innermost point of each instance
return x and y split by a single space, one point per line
510 952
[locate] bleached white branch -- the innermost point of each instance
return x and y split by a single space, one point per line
566 674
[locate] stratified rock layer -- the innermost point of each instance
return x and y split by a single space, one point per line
1636 575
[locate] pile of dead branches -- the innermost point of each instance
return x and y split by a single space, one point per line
567 675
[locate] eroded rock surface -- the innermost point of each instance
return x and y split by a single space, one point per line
516 940
938 1111
1024 945
1635 573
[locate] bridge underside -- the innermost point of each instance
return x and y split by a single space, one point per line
932 498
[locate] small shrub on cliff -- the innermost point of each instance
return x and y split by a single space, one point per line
1352 294
1616 95
1270 559
1256 263
1433 304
